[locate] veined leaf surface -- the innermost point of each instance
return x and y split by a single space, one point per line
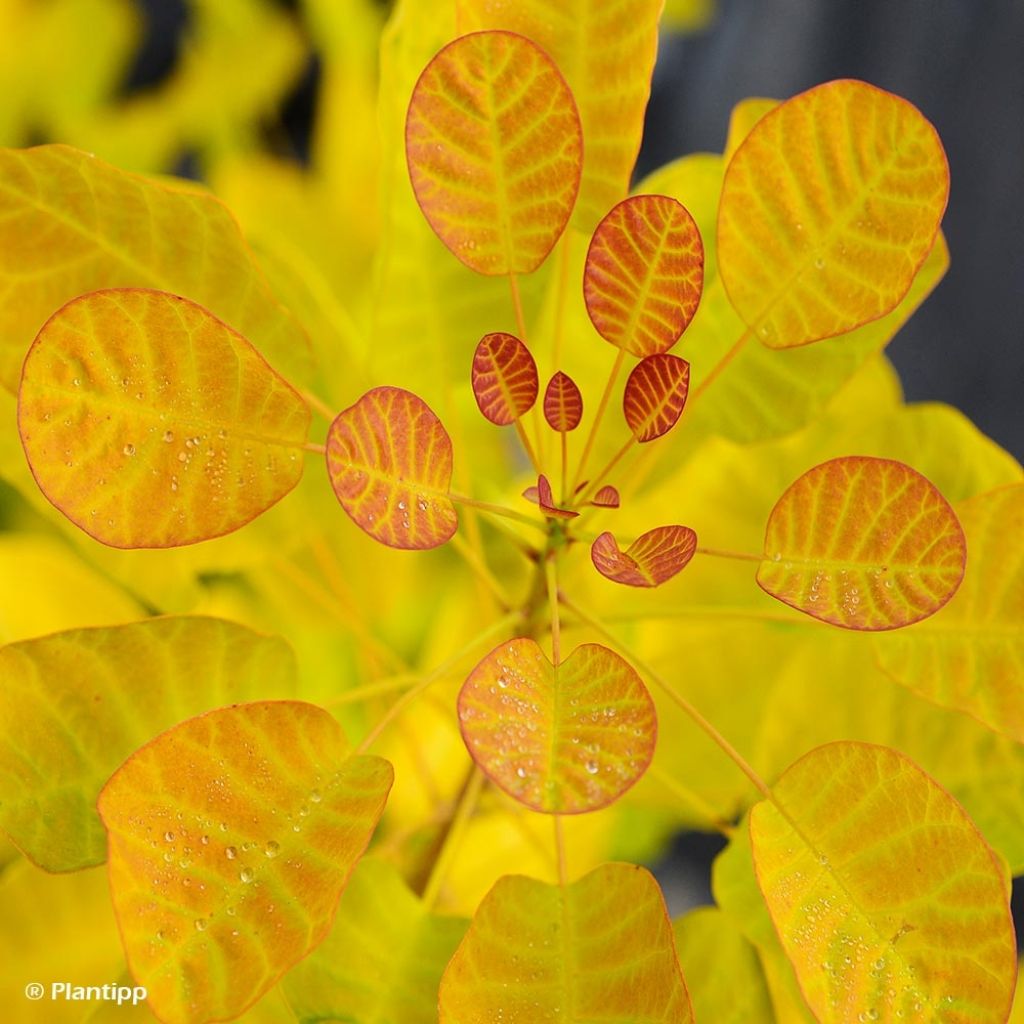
829 207
71 224
504 378
494 148
390 464
643 274
231 838
606 497
74 705
970 656
886 898
150 423
563 403
599 949
655 394
863 543
561 739
652 559
546 501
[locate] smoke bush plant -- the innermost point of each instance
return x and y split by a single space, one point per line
588 590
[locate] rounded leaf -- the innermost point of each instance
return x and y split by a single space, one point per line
563 403
829 207
643 275
606 497
652 559
655 394
389 460
600 949
504 378
231 838
151 424
562 740
863 543
495 150
887 901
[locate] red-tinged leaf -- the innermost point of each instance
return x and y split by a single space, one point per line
495 151
863 543
231 837
563 403
655 395
644 273
504 378
652 559
563 739
532 493
546 501
390 464
606 497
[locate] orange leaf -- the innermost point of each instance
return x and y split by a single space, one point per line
887 900
829 207
606 497
231 838
494 147
643 274
561 739
390 464
150 424
655 395
600 949
652 559
504 378
863 543
563 403
545 499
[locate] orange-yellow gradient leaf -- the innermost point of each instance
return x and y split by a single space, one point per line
390 464
863 543
643 274
563 403
606 50
887 900
970 656
652 559
655 394
561 739
71 224
231 839
546 500
600 949
829 207
606 497
504 378
74 705
494 149
150 423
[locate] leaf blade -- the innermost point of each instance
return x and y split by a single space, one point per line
563 403
504 378
655 395
652 559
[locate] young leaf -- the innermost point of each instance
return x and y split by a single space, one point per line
599 949
829 207
971 655
546 500
494 148
606 497
151 424
863 543
652 559
643 275
886 898
231 838
504 378
655 395
390 464
63 728
563 403
561 739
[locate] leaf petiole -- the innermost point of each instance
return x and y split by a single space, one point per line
598 416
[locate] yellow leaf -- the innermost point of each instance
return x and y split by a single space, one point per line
829 208
742 119
76 704
231 838
600 948
886 898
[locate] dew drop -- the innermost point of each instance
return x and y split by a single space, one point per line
77 382
314 796
521 772
168 436
204 840
231 853
245 875
169 837
200 924
819 263
129 450
271 849
591 767
230 911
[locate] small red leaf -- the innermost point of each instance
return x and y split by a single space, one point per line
563 403
504 378
606 497
532 494
644 273
655 395
546 500
653 558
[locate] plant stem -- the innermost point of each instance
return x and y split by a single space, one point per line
723 553
565 469
695 800
599 479
563 289
453 835
592 436
317 449
551 572
371 690
527 447
470 556
317 403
